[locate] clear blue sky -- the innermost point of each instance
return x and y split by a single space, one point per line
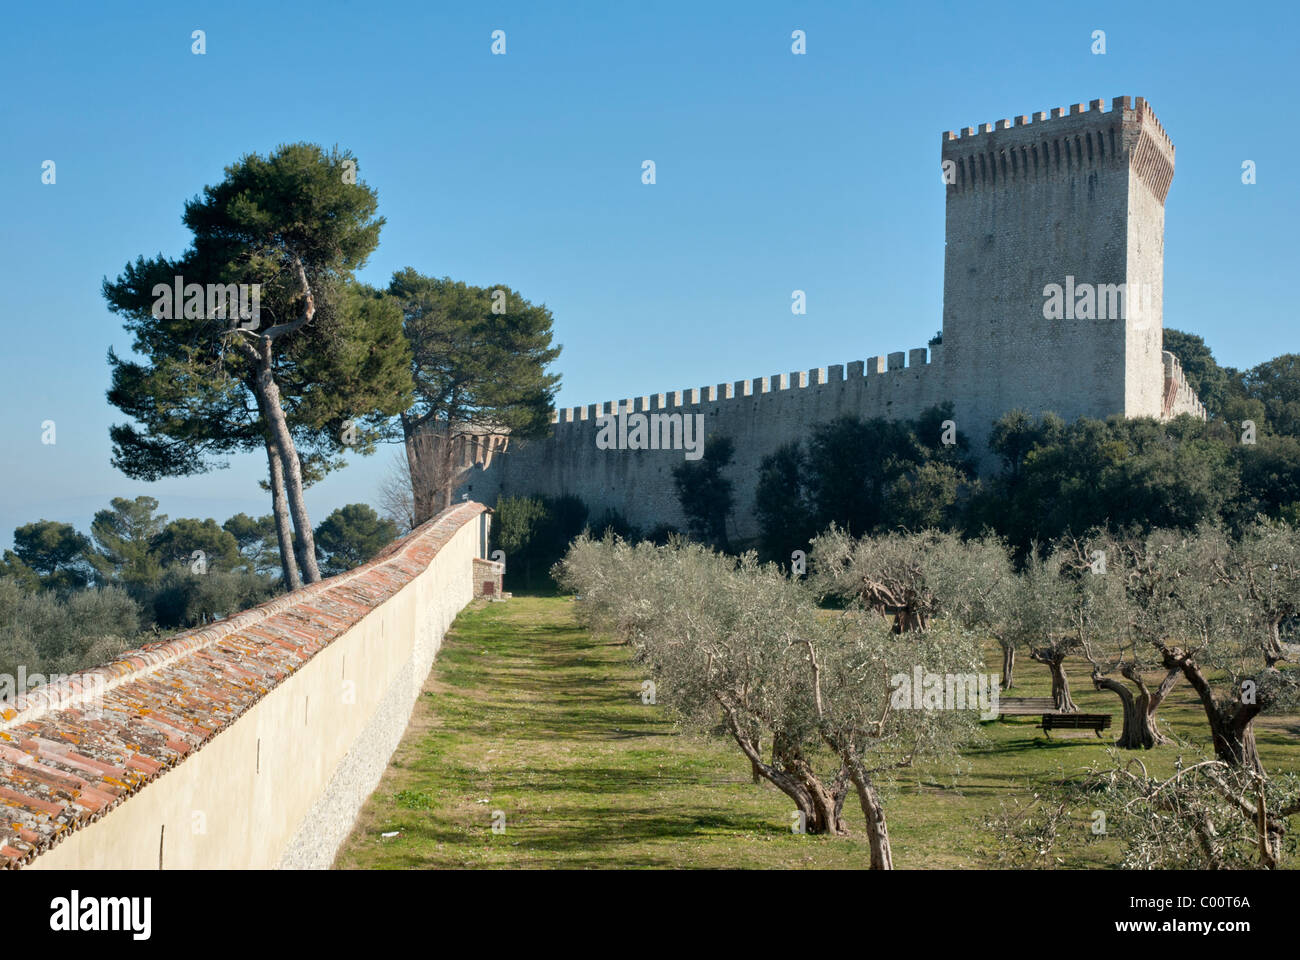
775 172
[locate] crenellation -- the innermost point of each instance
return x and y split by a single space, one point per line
1179 397
1079 110
1087 137
796 380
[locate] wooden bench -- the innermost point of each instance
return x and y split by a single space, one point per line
1097 722
1024 706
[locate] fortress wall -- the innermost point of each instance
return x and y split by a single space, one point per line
1033 202
1179 397
279 723
759 415
1152 166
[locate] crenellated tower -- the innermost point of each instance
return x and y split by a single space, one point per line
1071 201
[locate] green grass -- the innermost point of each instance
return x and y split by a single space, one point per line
527 714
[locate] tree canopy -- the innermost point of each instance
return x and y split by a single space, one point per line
317 364
478 361
351 535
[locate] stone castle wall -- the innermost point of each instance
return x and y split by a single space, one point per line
759 415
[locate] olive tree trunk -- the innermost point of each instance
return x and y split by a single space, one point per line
1140 731
1008 664
1231 723
873 811
792 775
1233 731
1055 662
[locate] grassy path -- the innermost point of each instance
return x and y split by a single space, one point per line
526 714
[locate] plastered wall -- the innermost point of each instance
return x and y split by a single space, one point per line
282 784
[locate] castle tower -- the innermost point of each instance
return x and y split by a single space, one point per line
1074 200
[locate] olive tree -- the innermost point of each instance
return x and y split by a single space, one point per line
719 634
886 574
1121 661
1206 815
1047 620
976 583
872 715
1218 611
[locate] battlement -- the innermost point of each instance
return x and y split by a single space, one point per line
1085 135
1179 397
892 365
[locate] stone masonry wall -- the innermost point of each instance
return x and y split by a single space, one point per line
1036 202
759 415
